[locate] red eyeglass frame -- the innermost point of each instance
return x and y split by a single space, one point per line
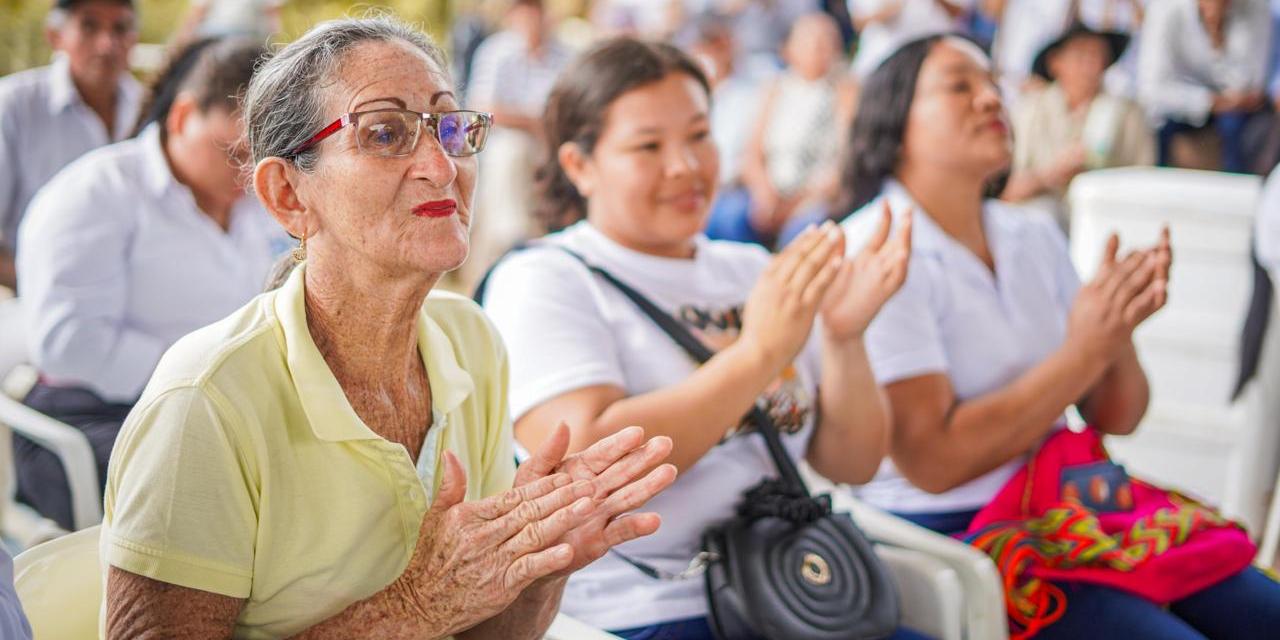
350 118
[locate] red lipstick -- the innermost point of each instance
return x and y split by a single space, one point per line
436 209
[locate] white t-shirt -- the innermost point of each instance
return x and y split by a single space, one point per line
917 19
566 328
953 316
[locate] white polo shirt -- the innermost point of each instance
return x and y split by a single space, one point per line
116 262
954 316
44 125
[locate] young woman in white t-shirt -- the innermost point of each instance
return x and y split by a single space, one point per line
633 174
993 335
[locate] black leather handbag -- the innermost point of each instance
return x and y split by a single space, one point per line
786 568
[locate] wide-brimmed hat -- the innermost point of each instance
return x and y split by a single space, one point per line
1117 41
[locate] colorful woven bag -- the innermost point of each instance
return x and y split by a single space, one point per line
1070 515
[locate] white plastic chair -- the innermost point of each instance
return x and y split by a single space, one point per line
60 585
1193 438
65 441
949 590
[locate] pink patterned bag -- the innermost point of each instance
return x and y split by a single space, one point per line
1070 515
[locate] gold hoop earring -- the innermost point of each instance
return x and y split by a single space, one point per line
300 252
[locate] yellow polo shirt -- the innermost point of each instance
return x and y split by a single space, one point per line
244 471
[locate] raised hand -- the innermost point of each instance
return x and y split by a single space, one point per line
866 282
785 300
473 559
624 471
1125 292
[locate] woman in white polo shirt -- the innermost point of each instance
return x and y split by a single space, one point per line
993 336
133 246
634 173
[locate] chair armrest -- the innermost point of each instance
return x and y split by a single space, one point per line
71 447
983 589
566 628
930 592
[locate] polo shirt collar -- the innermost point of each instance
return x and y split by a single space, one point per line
330 415
62 90
157 176
1004 228
63 95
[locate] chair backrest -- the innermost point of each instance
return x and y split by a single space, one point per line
60 585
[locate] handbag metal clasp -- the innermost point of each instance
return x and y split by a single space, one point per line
815 570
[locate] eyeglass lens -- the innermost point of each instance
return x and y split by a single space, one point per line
395 133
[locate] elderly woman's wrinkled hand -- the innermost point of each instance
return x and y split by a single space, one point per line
624 470
474 558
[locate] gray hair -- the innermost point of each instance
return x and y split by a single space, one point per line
284 104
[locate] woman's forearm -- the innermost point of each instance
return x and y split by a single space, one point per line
527 618
387 614
852 434
1119 401
697 412
969 439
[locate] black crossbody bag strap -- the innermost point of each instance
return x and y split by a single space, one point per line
787 470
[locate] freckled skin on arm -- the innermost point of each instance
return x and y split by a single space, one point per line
140 608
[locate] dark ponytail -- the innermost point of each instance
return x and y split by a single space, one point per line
216 70
576 110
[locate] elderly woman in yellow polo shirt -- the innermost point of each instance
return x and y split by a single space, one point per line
334 460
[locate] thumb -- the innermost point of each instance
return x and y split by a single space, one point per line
548 455
453 484
1109 253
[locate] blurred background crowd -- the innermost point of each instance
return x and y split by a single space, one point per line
1088 83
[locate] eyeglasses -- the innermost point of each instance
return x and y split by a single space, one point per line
394 132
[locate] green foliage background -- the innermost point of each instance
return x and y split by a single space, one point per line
22 43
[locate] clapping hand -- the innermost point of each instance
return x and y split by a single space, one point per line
624 471
1122 295
866 282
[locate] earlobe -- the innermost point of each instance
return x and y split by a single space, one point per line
274 181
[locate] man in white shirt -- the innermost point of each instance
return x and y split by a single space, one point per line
1201 64
52 115
885 25
511 77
